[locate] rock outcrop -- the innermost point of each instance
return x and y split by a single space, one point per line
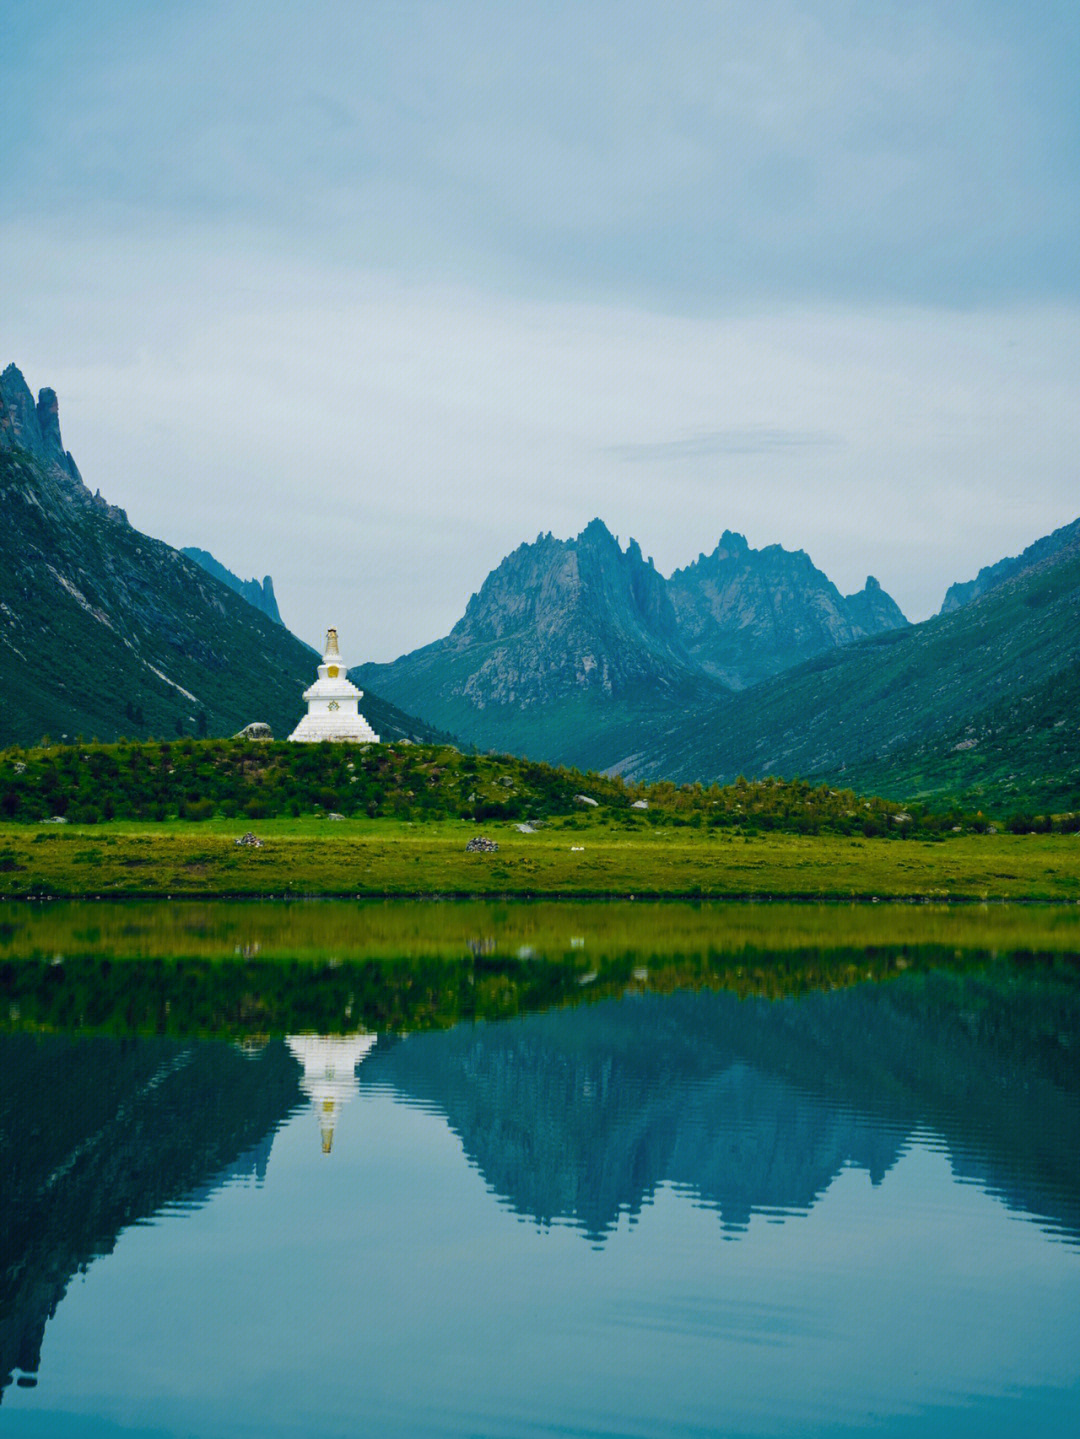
260 595
255 731
745 614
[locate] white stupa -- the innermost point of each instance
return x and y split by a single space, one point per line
329 1080
332 703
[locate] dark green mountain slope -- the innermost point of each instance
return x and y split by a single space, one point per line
989 576
986 695
105 631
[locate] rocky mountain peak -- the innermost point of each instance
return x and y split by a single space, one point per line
260 595
35 428
48 417
596 533
553 585
746 614
19 425
730 544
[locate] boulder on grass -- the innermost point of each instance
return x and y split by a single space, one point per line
257 730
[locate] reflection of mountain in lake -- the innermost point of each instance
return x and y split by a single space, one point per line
96 1134
751 1106
574 1115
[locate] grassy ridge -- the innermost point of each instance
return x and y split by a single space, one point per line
198 780
589 857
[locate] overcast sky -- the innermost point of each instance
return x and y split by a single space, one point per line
363 295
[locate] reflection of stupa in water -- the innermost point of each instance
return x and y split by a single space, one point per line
329 1062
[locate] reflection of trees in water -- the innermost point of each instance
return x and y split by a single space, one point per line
751 1106
96 1134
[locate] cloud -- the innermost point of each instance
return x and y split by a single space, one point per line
690 158
365 296
756 440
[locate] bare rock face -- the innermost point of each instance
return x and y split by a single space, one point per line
568 616
35 428
260 595
747 614
256 731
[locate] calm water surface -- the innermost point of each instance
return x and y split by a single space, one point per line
850 1210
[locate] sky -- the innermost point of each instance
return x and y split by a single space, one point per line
363 296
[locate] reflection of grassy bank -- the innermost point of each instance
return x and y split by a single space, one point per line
363 857
582 930
249 968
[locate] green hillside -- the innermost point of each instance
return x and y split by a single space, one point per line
106 632
979 704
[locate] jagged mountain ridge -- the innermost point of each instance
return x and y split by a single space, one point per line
746 614
571 647
108 632
566 642
260 595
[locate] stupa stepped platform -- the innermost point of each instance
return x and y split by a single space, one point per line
335 727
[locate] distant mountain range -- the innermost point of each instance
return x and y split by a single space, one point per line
575 649
751 662
107 632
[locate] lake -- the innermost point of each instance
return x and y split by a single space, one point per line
539 1169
